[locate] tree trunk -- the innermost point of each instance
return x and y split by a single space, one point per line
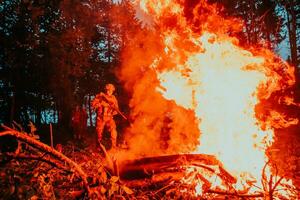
38 114
12 108
58 112
109 36
90 111
292 31
109 46
66 115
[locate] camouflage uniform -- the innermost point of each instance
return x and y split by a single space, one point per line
105 103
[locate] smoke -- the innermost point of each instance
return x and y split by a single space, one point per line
159 126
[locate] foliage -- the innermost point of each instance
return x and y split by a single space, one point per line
291 10
261 18
55 53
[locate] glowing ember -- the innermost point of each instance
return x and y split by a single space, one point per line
204 70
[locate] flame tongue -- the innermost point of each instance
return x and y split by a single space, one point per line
222 91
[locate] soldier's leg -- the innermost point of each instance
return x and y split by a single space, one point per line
99 129
113 132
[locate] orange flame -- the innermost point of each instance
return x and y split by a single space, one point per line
191 72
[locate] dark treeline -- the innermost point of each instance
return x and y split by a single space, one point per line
56 54
269 20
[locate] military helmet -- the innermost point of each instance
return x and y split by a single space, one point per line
110 86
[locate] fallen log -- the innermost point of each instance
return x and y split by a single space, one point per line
146 168
170 171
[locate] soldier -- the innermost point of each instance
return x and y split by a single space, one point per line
79 120
106 105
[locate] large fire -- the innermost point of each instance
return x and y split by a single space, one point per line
193 80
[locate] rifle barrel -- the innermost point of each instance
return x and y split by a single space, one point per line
114 107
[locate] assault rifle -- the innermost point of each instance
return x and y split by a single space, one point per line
113 106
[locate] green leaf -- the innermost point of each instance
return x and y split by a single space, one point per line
35 174
37 137
114 179
127 189
12 189
114 188
103 177
102 190
34 197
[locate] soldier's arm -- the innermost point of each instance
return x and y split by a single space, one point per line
116 105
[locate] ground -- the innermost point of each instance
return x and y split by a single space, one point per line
35 172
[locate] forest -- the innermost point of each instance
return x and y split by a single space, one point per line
56 55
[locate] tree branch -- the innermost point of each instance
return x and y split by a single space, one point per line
235 194
27 139
49 161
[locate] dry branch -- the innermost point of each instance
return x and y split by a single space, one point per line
109 161
236 194
49 161
37 144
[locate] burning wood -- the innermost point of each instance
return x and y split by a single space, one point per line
167 172
195 72
152 166
162 171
